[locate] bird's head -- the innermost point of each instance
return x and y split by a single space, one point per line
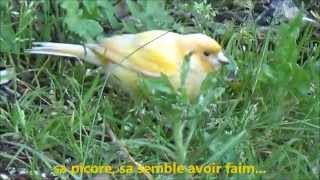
205 49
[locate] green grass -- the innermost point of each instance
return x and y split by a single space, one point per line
268 117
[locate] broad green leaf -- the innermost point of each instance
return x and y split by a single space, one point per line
90 5
3 4
77 23
160 84
71 6
85 28
110 12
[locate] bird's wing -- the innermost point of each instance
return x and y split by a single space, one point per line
151 53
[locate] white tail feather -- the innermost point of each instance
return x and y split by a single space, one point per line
67 50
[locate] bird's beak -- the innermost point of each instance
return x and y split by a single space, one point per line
222 59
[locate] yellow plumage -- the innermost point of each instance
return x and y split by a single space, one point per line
148 53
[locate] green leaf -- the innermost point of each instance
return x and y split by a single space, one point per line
134 8
4 4
185 69
71 6
77 23
149 14
110 13
86 28
25 20
7 38
90 5
18 116
224 146
129 26
288 51
160 84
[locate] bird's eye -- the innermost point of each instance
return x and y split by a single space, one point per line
206 53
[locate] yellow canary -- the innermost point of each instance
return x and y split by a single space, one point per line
149 53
